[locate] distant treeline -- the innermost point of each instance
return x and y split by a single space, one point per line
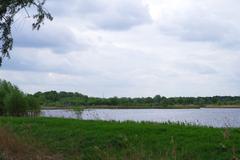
65 99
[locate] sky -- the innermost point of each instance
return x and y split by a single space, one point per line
129 48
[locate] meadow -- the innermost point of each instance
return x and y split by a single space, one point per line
69 139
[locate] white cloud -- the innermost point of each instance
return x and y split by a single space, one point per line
205 21
188 50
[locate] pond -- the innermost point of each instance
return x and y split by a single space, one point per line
204 116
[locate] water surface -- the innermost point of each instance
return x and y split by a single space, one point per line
215 117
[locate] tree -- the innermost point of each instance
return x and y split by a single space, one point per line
8 10
15 104
5 89
33 106
157 99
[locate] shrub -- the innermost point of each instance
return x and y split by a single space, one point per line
5 89
33 106
14 102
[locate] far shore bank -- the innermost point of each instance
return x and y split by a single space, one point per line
142 107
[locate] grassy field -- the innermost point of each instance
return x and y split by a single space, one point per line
55 138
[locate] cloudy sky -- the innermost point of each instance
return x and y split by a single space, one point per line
130 48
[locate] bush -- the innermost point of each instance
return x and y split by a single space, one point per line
33 105
5 88
14 102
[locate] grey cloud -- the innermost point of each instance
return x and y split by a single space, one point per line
196 68
63 8
54 37
122 16
43 61
104 14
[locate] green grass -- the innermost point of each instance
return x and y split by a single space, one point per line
93 140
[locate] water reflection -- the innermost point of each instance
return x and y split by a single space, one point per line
208 117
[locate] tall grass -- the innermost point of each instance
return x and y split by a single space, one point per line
99 140
14 148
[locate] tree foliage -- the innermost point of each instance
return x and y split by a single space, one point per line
8 10
14 102
65 99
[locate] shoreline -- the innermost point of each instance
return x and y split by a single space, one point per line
145 107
